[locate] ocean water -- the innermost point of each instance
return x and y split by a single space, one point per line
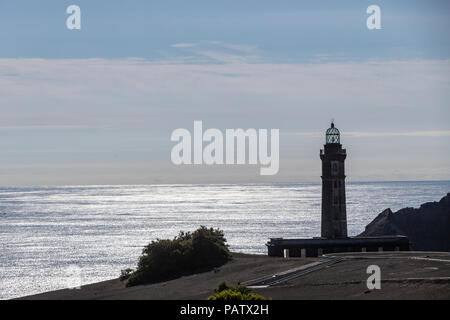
50 234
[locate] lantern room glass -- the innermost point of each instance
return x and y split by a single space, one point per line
332 135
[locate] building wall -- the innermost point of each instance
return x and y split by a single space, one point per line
318 248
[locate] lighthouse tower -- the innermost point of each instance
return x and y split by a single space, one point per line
334 212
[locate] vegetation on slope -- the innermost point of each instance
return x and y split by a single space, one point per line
190 252
230 293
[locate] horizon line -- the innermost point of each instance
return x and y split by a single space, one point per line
215 183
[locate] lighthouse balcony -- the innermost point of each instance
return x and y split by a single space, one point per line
337 151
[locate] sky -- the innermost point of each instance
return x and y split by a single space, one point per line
98 105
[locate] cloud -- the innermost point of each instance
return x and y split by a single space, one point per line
228 58
140 102
365 134
218 52
383 96
236 47
183 45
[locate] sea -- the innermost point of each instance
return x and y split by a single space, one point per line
48 233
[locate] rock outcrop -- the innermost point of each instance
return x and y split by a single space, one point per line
428 227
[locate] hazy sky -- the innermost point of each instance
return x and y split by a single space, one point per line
98 105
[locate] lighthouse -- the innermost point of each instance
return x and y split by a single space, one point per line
334 236
334 212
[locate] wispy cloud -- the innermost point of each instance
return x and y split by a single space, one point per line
183 45
400 134
137 100
219 52
224 57
364 134
403 96
236 47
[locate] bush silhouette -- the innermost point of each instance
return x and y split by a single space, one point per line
230 293
125 274
187 253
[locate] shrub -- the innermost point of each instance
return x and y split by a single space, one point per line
229 293
125 274
187 253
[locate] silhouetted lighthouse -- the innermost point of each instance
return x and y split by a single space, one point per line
334 212
334 215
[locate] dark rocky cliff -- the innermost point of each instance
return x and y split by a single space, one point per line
428 227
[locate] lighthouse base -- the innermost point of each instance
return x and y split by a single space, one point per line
314 247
